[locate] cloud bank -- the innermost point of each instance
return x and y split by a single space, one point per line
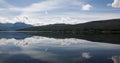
55 11
116 4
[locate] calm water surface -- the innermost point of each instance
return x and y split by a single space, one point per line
25 48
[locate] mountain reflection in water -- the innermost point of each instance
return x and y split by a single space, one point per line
29 48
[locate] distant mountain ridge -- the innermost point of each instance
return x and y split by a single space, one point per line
15 26
111 26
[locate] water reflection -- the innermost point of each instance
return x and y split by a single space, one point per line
86 55
116 59
15 35
109 38
38 49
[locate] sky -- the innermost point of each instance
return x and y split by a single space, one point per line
43 12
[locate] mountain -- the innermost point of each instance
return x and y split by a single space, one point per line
103 26
15 26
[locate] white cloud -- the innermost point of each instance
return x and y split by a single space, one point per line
48 5
42 6
35 14
37 7
69 18
53 4
116 4
86 7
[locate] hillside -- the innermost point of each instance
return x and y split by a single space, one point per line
103 26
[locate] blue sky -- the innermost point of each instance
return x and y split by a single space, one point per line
42 12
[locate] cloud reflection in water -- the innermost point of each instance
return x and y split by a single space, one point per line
53 50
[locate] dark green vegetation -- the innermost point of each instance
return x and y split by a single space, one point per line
105 38
95 27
